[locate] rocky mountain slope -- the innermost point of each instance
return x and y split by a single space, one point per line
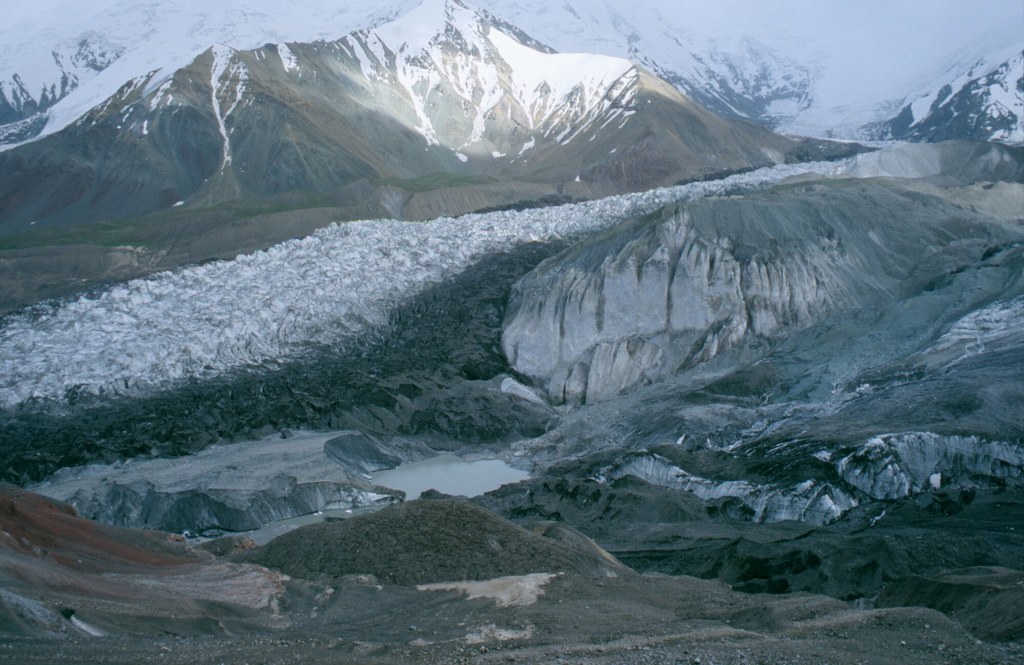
110 578
982 102
803 68
441 111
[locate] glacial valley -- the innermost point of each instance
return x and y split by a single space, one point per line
724 395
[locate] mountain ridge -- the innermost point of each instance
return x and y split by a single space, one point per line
443 90
981 100
787 70
792 70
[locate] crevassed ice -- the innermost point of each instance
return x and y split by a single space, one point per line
1000 321
342 281
810 501
891 466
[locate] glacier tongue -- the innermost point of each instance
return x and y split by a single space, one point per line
326 289
268 306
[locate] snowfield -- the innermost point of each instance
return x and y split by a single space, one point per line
270 306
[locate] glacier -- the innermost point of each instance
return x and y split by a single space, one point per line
269 306
885 379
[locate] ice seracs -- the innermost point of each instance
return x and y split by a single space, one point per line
892 466
338 283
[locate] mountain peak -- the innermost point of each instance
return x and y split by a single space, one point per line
416 30
449 58
441 90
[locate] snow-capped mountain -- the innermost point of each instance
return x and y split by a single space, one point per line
809 68
58 61
981 101
24 101
441 89
753 82
805 67
715 56
741 78
454 66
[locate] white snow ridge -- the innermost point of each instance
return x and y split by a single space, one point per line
269 306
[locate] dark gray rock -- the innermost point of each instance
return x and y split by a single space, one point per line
422 542
358 453
985 600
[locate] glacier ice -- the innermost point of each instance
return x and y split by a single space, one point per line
806 501
892 466
270 306
671 291
233 487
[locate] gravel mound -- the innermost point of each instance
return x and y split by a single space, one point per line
417 543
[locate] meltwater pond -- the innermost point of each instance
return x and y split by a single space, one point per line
445 473
449 474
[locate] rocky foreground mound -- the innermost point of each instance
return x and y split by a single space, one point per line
62 576
73 591
425 541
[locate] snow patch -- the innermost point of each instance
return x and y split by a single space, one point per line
515 591
288 59
227 76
